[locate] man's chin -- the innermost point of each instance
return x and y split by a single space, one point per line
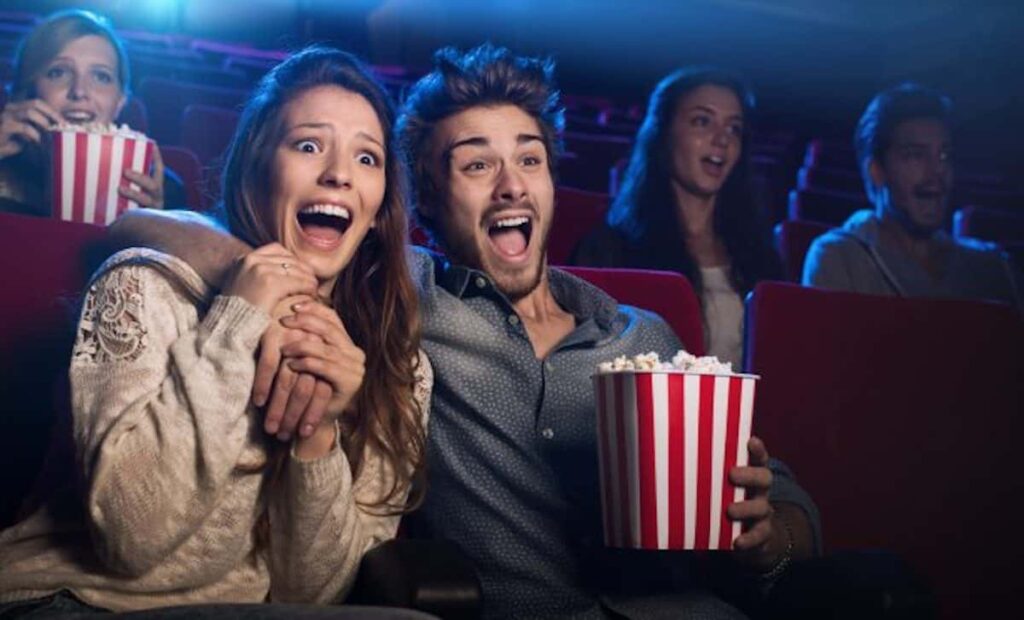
515 282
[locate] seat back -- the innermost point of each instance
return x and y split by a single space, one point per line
666 293
822 206
577 212
166 100
47 263
988 224
792 239
207 131
134 115
186 165
902 419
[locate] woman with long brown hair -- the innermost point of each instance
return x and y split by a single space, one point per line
181 495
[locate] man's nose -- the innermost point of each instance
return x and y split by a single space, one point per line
511 186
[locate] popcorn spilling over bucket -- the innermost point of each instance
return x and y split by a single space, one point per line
87 167
667 438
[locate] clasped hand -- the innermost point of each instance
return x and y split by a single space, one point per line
308 369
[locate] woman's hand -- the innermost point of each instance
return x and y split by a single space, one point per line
285 395
330 355
151 188
267 275
23 122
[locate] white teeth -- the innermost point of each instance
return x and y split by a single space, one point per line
334 210
511 221
715 159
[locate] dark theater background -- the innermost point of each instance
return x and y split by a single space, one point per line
814 65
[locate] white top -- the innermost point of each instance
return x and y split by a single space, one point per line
723 317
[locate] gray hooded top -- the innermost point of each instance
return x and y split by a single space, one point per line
855 258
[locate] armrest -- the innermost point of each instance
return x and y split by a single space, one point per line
433 576
852 584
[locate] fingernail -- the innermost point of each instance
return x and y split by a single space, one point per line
284 436
299 306
270 428
307 430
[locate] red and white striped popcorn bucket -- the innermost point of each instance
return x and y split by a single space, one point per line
87 169
666 443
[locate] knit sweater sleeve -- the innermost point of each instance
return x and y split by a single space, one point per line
323 521
159 401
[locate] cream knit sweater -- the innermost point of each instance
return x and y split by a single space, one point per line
171 452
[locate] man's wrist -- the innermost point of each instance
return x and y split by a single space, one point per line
782 562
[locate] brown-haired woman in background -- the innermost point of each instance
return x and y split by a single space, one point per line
184 498
685 203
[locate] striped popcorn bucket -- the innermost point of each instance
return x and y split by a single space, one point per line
87 170
666 442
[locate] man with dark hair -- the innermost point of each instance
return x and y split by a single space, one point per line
513 342
512 438
904 150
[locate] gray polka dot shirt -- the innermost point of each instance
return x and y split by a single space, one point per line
511 440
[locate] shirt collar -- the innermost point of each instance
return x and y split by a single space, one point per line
579 297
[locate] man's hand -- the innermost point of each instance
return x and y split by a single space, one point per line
330 355
315 345
761 544
295 395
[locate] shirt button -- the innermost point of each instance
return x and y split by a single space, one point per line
547 433
513 319
480 282
548 366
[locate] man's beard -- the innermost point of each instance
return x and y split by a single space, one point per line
515 285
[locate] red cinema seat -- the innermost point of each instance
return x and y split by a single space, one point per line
666 293
186 165
47 263
134 115
166 100
589 158
989 225
902 419
827 154
830 179
792 240
577 212
823 206
207 131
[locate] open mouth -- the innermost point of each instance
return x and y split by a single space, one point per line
78 116
510 236
324 224
713 165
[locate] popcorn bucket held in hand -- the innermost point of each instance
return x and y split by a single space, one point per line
87 168
666 442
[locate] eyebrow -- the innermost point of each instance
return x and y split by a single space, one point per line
101 65
315 125
522 138
713 111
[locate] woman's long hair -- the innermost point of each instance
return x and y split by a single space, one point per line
374 294
644 212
